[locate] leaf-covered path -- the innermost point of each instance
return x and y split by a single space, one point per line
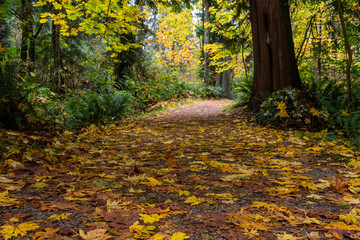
189 172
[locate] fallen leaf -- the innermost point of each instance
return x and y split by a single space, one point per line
194 201
5 201
9 231
97 234
179 236
339 187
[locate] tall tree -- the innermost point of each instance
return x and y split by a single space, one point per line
206 41
274 58
347 48
27 22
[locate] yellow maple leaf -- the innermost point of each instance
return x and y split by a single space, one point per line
269 207
315 149
348 218
342 225
60 216
202 187
151 182
131 190
282 109
194 201
151 218
5 201
14 220
9 231
308 185
135 227
97 234
179 236
158 236
314 112
185 193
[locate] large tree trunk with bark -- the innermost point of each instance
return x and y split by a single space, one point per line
274 58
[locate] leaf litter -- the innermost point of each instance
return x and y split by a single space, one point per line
191 172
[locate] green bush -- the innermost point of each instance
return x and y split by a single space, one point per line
292 108
242 91
92 108
213 92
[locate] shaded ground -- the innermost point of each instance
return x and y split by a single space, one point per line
192 171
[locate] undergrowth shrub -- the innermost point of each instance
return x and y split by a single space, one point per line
213 92
164 88
242 92
89 108
292 108
345 114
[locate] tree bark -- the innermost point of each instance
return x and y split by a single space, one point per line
27 22
226 79
348 51
57 58
275 65
206 41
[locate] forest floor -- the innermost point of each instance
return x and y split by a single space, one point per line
191 172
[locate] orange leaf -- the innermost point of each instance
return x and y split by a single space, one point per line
339 187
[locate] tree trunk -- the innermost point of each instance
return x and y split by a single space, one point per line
218 82
274 57
226 79
57 58
27 22
206 41
348 51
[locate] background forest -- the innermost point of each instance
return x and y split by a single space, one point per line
67 64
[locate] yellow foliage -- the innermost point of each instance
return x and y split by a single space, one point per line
179 236
158 236
151 182
194 201
5 201
282 107
59 217
348 218
9 231
314 112
150 218
269 207
185 193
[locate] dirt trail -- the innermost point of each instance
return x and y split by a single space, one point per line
191 170
205 109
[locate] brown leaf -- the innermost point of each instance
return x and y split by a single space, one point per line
66 230
171 163
20 171
120 220
339 187
136 170
338 233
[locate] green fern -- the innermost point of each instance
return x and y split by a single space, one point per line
94 108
